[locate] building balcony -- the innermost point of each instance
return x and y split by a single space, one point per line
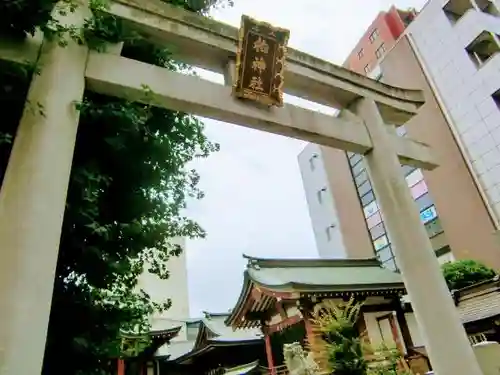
483 48
473 23
456 9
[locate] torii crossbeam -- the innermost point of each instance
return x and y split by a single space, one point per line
33 194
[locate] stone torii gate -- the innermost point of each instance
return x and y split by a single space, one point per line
33 194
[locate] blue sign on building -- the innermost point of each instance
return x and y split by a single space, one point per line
428 214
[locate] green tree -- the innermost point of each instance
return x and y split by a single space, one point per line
463 273
127 194
18 17
338 346
341 349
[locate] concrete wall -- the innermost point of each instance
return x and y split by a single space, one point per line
465 89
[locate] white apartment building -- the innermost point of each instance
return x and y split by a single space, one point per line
321 203
175 288
457 44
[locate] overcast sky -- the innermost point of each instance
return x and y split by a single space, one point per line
255 203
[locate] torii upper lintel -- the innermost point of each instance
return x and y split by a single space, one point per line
209 44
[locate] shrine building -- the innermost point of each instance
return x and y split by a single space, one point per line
279 295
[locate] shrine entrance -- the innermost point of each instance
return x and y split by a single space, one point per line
33 194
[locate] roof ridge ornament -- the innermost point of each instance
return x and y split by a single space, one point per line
253 263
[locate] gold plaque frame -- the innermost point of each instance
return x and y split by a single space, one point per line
260 62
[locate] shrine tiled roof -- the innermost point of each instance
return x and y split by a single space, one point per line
322 274
137 343
479 302
166 333
215 323
212 333
266 280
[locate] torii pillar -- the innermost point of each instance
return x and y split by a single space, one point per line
445 338
33 199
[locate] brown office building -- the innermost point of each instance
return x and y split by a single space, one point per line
343 208
380 37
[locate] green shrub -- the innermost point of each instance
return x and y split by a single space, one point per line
338 346
464 273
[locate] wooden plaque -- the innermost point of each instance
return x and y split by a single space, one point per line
260 62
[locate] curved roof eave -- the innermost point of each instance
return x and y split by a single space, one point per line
243 341
185 357
245 290
213 344
200 334
302 262
301 288
171 332
210 329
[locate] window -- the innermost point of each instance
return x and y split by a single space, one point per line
373 36
380 243
428 214
377 231
390 264
358 168
367 198
481 49
496 98
329 232
360 178
354 158
445 250
370 209
407 169
455 9
419 189
367 68
364 188
320 194
385 254
361 53
312 161
373 220
424 202
414 177
434 228
380 51
487 6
